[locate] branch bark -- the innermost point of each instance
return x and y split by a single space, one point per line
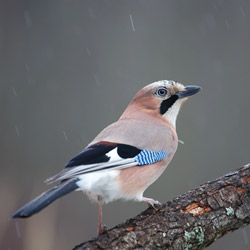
193 220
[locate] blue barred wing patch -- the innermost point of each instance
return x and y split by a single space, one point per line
146 157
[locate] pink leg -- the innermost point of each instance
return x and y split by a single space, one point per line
100 227
151 202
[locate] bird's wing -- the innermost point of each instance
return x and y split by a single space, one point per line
103 156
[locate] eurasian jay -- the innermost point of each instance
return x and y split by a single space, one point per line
127 156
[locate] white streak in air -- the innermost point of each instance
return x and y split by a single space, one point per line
181 142
132 23
227 24
97 80
215 7
29 76
17 131
18 231
87 49
14 91
91 12
27 67
242 11
65 136
27 18
245 237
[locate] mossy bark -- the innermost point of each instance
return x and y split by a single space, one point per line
193 220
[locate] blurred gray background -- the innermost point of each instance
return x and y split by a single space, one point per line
70 67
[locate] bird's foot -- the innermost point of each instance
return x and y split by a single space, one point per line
151 202
102 229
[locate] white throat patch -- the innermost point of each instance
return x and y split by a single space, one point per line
171 114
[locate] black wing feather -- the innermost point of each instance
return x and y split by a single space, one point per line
95 158
96 153
126 151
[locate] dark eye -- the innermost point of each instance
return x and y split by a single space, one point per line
162 92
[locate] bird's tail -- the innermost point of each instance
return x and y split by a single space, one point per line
46 198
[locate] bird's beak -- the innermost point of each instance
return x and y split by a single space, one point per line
189 90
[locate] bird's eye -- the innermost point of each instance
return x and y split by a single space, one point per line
162 92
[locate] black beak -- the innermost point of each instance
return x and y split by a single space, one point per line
189 90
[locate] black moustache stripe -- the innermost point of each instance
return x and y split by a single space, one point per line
168 103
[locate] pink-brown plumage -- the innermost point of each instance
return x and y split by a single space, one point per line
141 119
126 157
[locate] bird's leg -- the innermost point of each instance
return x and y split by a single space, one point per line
151 202
100 227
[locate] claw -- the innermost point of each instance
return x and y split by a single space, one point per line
102 229
151 202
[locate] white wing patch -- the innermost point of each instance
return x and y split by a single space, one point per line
113 154
145 157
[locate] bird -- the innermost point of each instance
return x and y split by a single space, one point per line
126 157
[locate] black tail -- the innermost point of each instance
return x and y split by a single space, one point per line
45 199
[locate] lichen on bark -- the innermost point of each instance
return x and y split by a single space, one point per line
193 220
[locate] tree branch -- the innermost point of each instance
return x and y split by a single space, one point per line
193 220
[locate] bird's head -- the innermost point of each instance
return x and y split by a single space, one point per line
163 98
